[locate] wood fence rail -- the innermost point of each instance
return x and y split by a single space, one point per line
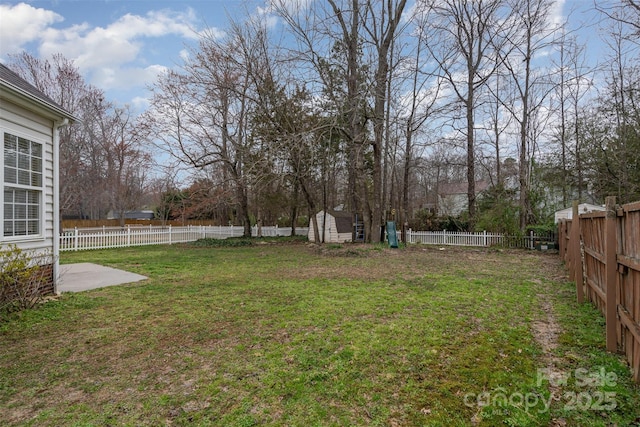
602 253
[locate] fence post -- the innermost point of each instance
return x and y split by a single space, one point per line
571 250
128 235
444 237
575 260
561 238
532 244
169 233
611 267
484 238
75 239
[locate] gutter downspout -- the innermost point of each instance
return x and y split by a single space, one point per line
56 200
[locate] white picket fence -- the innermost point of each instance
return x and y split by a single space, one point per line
121 237
481 239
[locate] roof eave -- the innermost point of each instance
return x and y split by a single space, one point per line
28 100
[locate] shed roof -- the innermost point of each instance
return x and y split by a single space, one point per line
25 91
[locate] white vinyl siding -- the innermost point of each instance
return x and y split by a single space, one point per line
23 124
29 207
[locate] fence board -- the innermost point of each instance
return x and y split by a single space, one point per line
592 232
564 226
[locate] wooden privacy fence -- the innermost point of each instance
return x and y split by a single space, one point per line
602 253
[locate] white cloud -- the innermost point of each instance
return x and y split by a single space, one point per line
155 24
116 56
120 42
122 54
140 104
21 24
127 77
557 16
273 9
185 54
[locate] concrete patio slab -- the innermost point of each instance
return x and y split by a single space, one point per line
85 276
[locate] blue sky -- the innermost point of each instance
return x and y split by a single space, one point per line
121 46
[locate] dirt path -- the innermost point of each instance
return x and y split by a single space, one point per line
546 332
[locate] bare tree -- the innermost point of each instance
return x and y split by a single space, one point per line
573 84
625 12
201 115
421 103
349 29
126 163
101 161
382 28
463 38
535 32
498 122
610 131
348 46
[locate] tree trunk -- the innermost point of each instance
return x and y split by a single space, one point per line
406 173
525 203
381 77
294 206
243 200
471 169
312 212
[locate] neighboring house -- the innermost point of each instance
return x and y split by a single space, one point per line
29 130
582 208
453 199
337 226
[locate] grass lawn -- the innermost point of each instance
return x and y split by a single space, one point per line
296 335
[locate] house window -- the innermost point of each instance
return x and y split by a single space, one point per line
22 187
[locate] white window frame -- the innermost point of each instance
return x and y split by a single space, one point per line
39 189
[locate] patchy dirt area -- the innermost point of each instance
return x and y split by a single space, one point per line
546 332
368 262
